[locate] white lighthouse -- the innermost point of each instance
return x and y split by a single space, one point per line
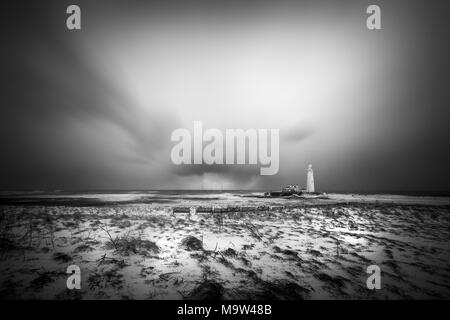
310 179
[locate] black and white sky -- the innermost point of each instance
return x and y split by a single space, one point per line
94 108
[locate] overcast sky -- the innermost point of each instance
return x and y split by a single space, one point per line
95 108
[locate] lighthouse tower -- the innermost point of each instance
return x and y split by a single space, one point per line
310 180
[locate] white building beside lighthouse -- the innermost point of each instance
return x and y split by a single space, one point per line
310 180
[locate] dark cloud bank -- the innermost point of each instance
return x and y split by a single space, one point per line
64 125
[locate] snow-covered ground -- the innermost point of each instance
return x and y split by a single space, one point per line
309 249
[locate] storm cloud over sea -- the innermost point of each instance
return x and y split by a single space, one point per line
94 108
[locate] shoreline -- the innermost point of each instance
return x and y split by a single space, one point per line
219 199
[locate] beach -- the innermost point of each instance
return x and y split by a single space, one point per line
138 245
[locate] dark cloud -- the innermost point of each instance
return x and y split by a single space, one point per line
235 173
297 133
66 123
63 124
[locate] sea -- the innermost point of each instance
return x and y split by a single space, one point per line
180 197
